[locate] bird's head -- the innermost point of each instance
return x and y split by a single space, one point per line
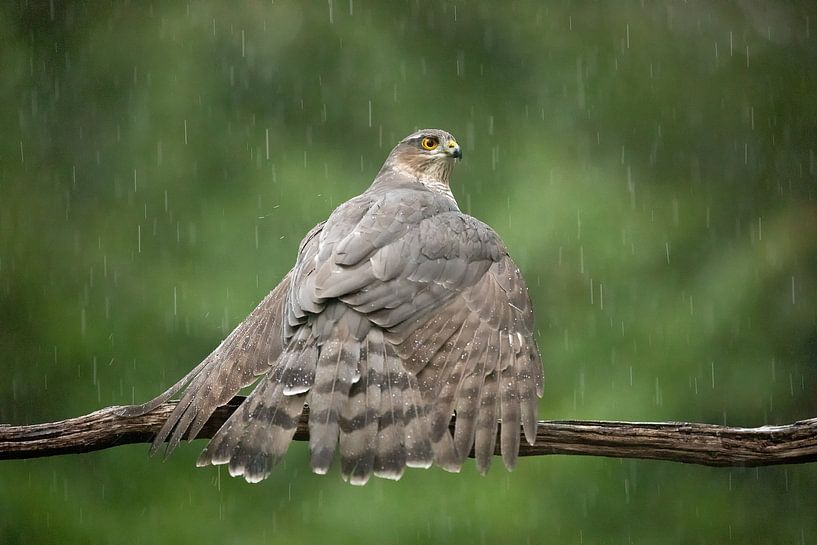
427 155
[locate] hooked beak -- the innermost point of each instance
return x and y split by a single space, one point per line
453 149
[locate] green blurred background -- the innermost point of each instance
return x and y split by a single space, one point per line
651 166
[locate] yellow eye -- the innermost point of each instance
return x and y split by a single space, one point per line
429 143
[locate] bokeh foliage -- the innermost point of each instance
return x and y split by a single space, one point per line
651 165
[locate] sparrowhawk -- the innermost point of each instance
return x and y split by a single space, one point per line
400 311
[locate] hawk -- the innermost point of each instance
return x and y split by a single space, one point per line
400 311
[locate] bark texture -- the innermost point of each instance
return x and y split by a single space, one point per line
704 444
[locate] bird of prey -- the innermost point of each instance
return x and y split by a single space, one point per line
400 311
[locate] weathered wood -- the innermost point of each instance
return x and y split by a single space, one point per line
704 444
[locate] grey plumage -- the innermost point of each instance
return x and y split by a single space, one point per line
400 310
361 415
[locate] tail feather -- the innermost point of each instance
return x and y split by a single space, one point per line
221 447
390 458
445 453
384 427
417 439
299 378
267 436
359 420
337 369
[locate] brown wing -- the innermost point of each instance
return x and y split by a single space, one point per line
477 355
257 435
248 352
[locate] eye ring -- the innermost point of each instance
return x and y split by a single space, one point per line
429 143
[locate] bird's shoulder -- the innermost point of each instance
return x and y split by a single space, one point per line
414 196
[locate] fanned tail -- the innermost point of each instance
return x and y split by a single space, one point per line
384 427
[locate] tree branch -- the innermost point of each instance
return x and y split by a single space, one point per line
704 444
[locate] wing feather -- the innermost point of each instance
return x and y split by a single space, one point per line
485 440
509 402
477 354
468 401
236 363
257 435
